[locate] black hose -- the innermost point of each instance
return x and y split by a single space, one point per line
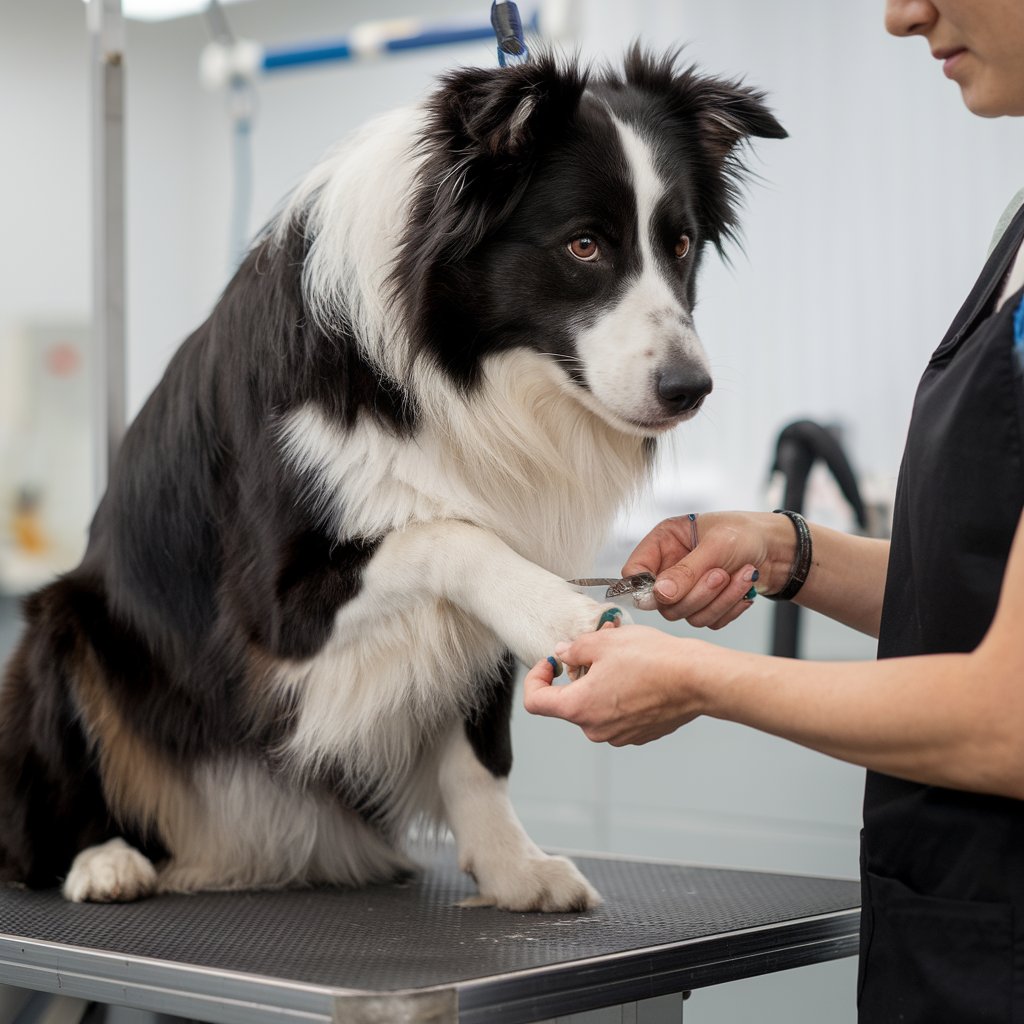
800 445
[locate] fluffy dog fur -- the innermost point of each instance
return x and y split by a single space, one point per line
351 503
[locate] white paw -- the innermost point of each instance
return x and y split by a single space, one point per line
111 873
564 617
551 885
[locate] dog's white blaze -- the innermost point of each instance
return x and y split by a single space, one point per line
648 188
649 328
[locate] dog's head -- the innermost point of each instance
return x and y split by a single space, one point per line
567 213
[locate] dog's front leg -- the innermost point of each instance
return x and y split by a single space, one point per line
528 608
510 870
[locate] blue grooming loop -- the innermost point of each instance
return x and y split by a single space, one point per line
277 58
422 37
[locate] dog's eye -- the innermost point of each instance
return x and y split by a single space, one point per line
682 246
585 248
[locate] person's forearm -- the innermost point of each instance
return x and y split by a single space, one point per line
939 719
847 577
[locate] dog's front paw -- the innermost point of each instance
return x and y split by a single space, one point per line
111 873
613 616
551 885
564 618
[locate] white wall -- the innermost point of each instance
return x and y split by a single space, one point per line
862 234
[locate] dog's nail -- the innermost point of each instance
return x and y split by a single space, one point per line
556 665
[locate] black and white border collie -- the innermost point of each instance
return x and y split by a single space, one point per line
351 505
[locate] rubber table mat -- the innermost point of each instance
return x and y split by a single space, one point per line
411 935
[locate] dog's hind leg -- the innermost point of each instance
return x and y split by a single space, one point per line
511 871
112 872
55 818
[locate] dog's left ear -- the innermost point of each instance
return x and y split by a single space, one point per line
721 116
723 113
712 118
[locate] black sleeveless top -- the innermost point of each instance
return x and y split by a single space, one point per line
942 931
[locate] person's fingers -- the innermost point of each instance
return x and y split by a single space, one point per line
704 590
587 647
733 614
667 543
539 696
713 614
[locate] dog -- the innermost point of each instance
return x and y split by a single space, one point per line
350 506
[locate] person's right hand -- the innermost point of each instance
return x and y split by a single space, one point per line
707 584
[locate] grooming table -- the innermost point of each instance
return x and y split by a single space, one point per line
406 953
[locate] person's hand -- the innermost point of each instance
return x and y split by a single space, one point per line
706 584
636 688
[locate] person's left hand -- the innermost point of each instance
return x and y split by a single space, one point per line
636 688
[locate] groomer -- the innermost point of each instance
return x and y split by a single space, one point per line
938 720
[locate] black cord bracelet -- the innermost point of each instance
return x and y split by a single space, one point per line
801 561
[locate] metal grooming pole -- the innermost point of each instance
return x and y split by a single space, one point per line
106 29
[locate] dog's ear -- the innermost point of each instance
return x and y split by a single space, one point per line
501 115
484 132
713 117
729 113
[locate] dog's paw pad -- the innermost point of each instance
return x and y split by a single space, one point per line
111 873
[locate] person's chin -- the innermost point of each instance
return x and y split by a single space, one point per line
987 102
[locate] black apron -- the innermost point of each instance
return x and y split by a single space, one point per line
942 930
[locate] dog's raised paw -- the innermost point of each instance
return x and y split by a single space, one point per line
113 872
550 885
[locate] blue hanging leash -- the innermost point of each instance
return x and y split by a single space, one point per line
508 29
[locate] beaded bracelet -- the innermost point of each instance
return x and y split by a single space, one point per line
801 561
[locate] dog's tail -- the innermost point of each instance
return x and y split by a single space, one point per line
51 798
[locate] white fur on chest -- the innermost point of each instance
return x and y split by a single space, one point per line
520 461
521 458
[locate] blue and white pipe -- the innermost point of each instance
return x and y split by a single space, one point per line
222 63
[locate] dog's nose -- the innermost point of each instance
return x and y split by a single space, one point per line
682 390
